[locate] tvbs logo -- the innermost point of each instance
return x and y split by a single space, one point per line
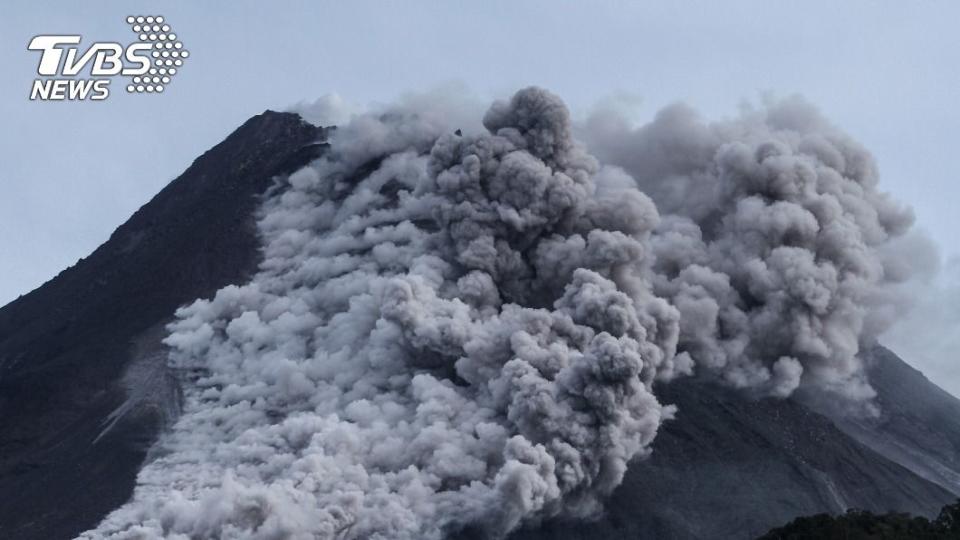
148 64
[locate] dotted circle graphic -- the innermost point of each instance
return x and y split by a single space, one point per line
166 51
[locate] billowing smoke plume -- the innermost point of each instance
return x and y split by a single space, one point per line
456 333
773 244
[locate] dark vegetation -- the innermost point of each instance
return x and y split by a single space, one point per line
863 525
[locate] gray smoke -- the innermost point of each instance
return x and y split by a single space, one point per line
775 245
463 333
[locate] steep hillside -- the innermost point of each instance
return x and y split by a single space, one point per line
732 468
74 350
919 423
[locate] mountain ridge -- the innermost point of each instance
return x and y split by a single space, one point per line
66 346
909 405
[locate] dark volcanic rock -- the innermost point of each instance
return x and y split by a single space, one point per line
74 350
919 423
732 468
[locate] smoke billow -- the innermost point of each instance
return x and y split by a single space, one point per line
775 242
458 333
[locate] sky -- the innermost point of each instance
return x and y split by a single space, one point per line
886 72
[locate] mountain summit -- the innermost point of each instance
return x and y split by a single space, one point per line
83 390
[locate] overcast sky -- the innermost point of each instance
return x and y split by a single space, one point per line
887 72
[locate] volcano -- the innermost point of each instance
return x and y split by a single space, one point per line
85 388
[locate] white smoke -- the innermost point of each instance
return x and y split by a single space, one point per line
327 110
458 333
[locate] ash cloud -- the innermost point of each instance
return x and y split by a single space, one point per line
463 330
775 245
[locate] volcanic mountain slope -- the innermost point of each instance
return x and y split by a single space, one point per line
918 422
729 467
84 390
73 351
